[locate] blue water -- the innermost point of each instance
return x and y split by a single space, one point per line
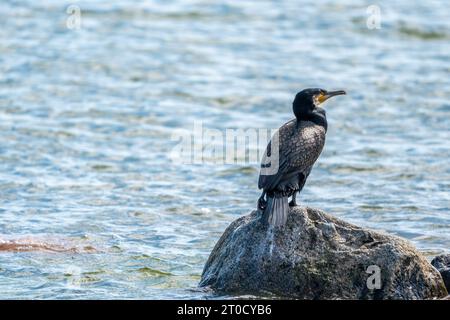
86 118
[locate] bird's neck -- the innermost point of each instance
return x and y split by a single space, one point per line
318 117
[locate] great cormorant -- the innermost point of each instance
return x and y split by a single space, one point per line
291 153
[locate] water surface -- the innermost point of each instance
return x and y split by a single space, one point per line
86 118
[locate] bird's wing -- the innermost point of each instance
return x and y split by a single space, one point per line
266 181
270 181
298 150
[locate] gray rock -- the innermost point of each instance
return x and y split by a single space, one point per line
442 263
317 256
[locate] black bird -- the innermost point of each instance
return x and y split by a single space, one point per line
291 153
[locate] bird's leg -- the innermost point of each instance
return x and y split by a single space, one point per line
262 203
293 202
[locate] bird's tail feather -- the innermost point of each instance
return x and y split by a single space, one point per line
276 211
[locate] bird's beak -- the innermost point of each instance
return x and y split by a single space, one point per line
329 94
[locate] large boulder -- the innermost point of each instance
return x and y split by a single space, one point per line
442 263
317 256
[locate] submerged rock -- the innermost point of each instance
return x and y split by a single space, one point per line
317 256
442 263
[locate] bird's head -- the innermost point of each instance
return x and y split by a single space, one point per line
306 101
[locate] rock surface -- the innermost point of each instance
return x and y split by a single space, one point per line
442 263
317 256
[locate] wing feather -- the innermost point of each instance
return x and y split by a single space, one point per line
299 147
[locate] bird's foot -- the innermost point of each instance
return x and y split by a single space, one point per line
262 204
293 203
